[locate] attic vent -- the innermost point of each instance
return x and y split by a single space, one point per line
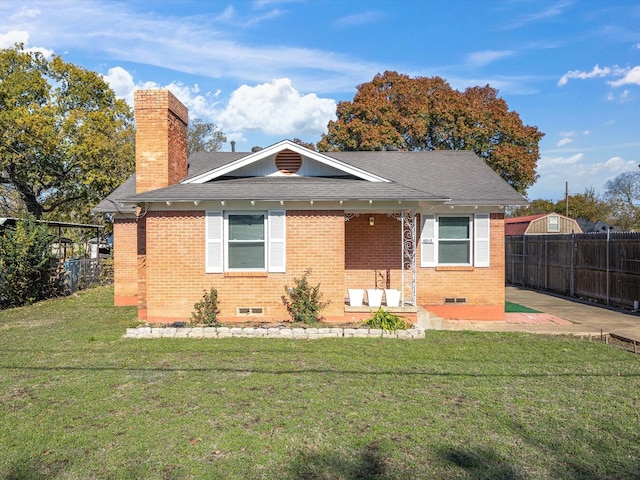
450 300
288 162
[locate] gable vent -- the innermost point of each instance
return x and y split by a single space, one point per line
288 162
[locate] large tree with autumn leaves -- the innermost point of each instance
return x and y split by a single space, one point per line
66 141
396 111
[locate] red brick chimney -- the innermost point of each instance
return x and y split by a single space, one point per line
161 139
161 161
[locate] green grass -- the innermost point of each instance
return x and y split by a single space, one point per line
77 401
510 307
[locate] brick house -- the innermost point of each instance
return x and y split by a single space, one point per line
426 225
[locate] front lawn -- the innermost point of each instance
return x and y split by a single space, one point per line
77 401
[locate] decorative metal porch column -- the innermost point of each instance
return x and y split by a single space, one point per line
408 218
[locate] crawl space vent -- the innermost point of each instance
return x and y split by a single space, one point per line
451 300
250 310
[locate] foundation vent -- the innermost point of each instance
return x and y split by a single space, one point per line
454 300
250 311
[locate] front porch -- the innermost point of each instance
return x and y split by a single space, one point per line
380 261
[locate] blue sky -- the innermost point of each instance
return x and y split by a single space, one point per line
265 70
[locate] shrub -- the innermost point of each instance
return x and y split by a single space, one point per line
304 302
206 311
25 257
386 321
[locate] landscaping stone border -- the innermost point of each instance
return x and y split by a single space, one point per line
271 332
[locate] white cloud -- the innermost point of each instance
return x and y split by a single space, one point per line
8 40
632 77
202 105
121 82
564 141
488 56
358 19
131 33
276 108
550 12
555 171
596 72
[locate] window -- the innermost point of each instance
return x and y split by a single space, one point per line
455 240
553 223
245 241
246 249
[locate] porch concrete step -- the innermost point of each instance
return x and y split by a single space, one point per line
428 320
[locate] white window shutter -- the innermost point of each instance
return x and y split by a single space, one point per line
277 260
428 241
482 239
214 249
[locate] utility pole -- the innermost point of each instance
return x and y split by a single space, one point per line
566 198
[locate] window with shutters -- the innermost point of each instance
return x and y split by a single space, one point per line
454 241
245 246
451 240
245 241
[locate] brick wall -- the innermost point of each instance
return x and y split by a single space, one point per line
175 260
125 275
482 287
373 254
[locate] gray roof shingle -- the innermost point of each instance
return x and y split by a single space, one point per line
456 177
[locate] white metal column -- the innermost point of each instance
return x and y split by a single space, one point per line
409 254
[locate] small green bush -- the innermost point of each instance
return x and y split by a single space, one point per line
386 321
206 311
304 302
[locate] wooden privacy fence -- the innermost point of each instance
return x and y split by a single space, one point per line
604 266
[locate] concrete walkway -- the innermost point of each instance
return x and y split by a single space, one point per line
560 316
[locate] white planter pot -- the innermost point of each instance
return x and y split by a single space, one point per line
392 297
374 297
355 297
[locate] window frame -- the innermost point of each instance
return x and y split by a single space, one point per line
217 234
227 241
469 240
479 241
555 224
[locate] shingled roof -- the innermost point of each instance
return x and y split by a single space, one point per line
451 177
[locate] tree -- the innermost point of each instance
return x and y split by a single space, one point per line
25 253
624 192
65 140
585 205
394 110
302 143
204 137
535 207
589 206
